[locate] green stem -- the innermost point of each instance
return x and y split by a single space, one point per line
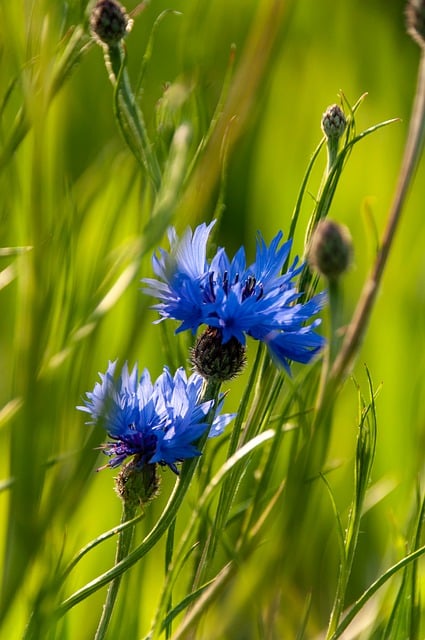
161 619
412 152
123 548
99 540
335 306
132 125
169 548
335 319
365 455
325 198
360 603
302 191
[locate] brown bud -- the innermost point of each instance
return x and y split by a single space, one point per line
217 361
333 122
331 250
109 22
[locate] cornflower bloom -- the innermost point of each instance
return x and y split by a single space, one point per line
154 422
259 300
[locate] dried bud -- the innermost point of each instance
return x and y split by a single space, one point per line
217 361
109 22
415 20
331 250
333 122
137 484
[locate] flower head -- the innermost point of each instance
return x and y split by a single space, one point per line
214 360
155 422
239 300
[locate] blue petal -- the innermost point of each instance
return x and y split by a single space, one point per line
259 300
159 422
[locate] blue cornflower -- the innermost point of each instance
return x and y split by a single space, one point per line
256 300
157 422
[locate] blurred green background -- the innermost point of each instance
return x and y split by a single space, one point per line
72 191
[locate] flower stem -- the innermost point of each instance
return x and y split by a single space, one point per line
412 152
128 114
335 313
123 547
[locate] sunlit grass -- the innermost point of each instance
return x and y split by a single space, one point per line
256 551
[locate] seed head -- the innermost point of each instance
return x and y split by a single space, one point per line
109 22
330 252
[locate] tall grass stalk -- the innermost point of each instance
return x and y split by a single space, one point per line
412 154
268 534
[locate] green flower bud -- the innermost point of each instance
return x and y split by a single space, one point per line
331 250
109 22
415 20
333 122
217 361
137 484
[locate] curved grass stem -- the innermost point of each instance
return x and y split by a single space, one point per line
123 547
414 145
129 116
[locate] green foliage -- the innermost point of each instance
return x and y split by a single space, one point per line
303 520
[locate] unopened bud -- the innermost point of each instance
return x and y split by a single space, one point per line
217 361
109 22
333 122
415 21
331 250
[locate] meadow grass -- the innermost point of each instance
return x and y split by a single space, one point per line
304 520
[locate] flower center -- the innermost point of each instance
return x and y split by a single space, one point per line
250 287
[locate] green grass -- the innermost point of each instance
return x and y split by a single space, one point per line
286 520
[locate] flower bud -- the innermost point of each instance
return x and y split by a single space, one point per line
137 484
217 361
331 250
415 20
109 22
333 122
